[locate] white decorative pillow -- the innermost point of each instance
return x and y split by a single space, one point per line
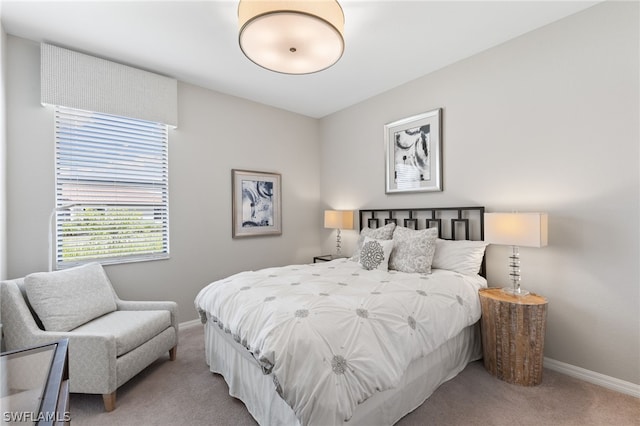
461 256
413 250
375 254
382 233
67 299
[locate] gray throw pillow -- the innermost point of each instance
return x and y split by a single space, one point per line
69 298
413 250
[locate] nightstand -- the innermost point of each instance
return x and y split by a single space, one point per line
513 335
326 258
322 258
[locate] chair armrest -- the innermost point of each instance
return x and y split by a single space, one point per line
42 337
134 305
92 363
92 358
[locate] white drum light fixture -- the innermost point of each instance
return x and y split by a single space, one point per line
292 37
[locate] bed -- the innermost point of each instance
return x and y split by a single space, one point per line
354 341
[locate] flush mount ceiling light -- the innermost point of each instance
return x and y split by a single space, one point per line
292 37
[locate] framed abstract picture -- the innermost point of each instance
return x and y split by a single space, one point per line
413 153
256 203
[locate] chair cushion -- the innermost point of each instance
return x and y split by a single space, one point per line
66 299
130 328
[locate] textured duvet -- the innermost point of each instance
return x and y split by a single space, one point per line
332 334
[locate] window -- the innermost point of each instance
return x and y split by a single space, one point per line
111 189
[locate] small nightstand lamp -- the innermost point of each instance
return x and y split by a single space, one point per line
338 219
515 230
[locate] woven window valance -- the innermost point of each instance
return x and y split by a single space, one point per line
76 80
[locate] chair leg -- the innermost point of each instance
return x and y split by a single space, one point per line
173 353
109 401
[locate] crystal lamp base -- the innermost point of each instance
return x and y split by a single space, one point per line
517 291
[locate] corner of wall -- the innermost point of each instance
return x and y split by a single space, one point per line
3 168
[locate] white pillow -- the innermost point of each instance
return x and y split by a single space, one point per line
382 233
413 250
67 299
461 256
375 254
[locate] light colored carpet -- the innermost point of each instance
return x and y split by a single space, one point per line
184 392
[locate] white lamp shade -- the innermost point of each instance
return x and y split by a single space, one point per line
516 229
338 219
292 37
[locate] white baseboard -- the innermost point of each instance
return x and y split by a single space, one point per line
593 377
189 324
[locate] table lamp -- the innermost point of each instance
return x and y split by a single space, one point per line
338 219
516 230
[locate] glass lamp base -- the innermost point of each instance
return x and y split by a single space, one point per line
516 291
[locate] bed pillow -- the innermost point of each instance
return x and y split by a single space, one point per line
375 254
67 299
461 256
413 250
382 233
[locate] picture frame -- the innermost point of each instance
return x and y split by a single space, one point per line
256 203
413 153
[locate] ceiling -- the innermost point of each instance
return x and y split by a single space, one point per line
388 43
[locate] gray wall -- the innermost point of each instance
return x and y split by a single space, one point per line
3 169
216 133
546 122
3 155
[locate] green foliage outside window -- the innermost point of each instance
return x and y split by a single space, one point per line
100 233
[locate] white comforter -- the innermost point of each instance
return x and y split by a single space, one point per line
332 334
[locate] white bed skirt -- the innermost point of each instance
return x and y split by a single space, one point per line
247 382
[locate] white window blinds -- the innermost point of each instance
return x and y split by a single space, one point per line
111 188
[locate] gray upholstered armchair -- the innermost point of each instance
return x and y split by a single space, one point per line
110 340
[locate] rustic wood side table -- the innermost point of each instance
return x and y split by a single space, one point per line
513 335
